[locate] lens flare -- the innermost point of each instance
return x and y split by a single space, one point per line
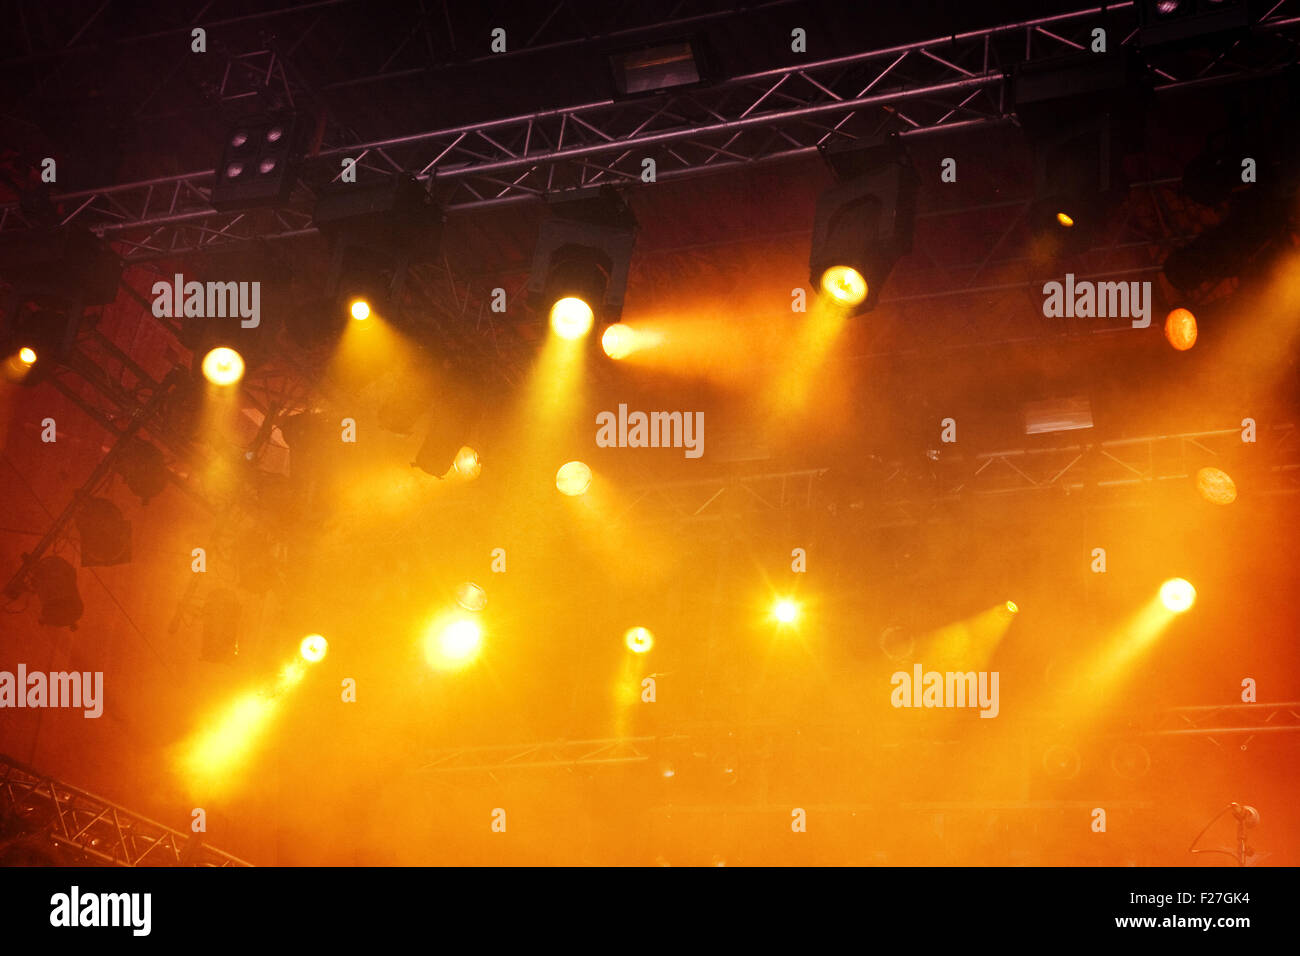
1180 329
1065 220
844 284
571 318
785 611
223 366
27 356
638 639
1177 595
360 309
573 479
313 648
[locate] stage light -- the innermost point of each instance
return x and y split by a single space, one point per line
105 534
571 318
1180 329
360 309
583 252
863 223
223 366
452 643
1012 607
55 583
573 478
618 341
313 648
467 463
256 162
471 596
144 469
638 640
1177 595
1065 220
785 611
844 284
1216 486
27 356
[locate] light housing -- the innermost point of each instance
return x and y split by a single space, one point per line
864 223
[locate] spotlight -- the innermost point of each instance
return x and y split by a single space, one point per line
143 468
1216 486
360 309
638 639
27 356
583 253
1180 329
863 223
1080 113
105 534
845 285
223 366
618 341
785 611
256 167
1012 607
313 648
1177 595
571 318
55 583
573 479
452 643
467 463
471 596
1166 23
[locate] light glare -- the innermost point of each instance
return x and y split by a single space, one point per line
571 318
223 366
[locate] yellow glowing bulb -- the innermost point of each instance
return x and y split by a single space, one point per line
1065 219
618 341
573 478
360 310
27 356
844 284
1177 594
467 463
638 639
1216 486
313 648
1180 329
571 318
1013 607
223 366
785 611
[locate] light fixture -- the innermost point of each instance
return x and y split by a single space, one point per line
584 251
313 648
573 478
223 366
785 611
638 639
1180 329
360 309
1177 595
864 223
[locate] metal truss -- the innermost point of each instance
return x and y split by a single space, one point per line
944 84
905 492
558 753
97 830
1228 720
